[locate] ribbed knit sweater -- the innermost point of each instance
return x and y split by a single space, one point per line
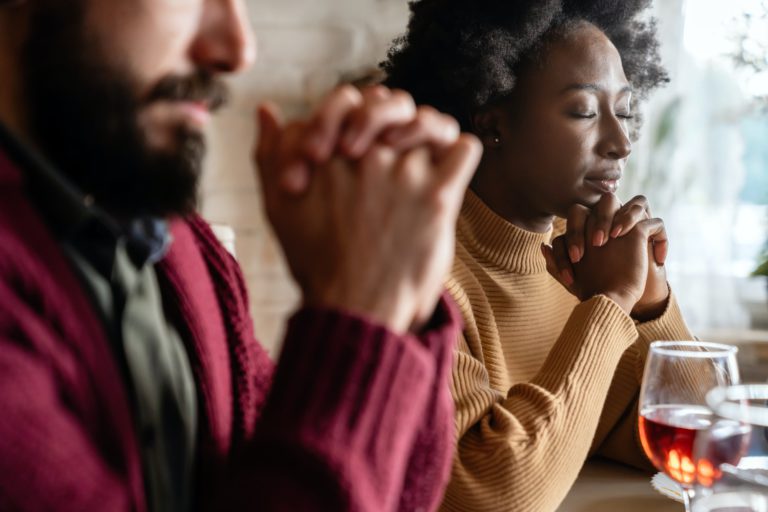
541 381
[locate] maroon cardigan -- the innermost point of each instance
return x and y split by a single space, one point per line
353 417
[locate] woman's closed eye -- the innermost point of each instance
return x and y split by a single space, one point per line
591 115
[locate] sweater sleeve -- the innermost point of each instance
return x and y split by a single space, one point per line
669 326
356 418
617 434
523 450
430 462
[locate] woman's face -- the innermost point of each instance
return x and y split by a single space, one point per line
563 135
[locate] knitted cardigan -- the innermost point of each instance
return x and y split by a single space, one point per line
354 417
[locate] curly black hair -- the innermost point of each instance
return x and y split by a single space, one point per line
461 55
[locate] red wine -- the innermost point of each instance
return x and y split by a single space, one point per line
726 442
670 432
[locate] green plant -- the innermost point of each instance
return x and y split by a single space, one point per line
762 267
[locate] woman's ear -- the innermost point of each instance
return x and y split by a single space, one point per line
486 124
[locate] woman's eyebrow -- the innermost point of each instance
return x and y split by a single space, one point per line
592 87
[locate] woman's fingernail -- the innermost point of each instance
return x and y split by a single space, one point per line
574 253
598 238
567 277
616 231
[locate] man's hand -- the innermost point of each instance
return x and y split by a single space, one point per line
364 197
599 233
348 121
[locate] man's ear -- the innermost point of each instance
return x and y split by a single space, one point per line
486 123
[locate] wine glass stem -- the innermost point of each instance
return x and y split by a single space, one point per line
688 498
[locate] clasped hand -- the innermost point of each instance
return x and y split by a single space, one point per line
615 250
363 196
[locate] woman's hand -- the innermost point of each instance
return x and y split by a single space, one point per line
593 235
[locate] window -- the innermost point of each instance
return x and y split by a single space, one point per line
703 157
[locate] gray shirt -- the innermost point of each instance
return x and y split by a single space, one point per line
157 370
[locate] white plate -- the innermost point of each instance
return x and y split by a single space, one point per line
668 487
671 489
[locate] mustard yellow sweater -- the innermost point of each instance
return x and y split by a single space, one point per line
541 381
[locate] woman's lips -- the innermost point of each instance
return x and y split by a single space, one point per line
603 185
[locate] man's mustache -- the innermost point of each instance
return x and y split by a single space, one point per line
201 87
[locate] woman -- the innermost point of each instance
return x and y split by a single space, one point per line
547 370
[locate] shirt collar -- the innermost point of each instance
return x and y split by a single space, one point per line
75 218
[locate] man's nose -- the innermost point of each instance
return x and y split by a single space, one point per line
225 42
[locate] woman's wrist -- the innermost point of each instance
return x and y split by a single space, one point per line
649 311
625 301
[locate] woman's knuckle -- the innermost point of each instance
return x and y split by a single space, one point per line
640 231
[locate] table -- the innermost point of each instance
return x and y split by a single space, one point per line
604 486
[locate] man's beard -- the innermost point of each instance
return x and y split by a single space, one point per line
83 113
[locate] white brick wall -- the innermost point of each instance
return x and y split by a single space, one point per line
305 46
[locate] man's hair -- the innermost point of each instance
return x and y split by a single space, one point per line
462 55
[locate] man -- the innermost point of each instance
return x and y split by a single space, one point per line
129 375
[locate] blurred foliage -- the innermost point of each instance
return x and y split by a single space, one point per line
666 125
762 268
751 53
751 46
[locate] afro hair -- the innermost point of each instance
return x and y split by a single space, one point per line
461 55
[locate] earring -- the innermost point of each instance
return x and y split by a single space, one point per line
496 139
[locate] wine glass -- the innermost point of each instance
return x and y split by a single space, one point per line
740 425
673 408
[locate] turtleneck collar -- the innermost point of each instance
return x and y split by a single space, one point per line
488 236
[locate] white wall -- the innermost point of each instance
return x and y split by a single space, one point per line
305 47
